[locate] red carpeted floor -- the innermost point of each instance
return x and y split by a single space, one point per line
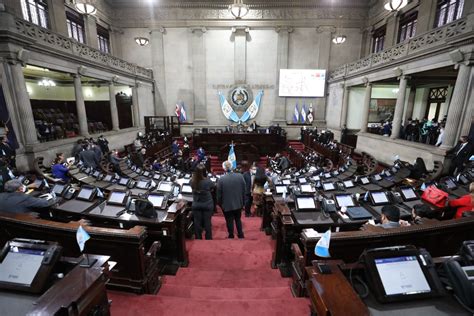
224 277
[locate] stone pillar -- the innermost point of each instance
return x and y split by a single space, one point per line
90 24
240 54
391 30
158 66
198 56
115 42
57 16
426 16
136 106
345 106
397 116
469 113
410 105
23 104
80 106
325 39
113 107
456 106
282 63
13 7
366 106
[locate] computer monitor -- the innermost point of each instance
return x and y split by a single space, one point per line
408 194
96 174
58 189
186 189
86 193
280 189
327 175
124 181
302 180
185 181
463 179
143 184
329 186
378 197
138 170
364 180
158 200
117 197
377 177
146 173
348 184
450 184
108 178
305 203
335 173
316 178
165 186
344 200
306 188
156 176
286 181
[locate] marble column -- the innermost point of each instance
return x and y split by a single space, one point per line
158 66
410 105
345 106
366 107
426 20
90 24
240 54
23 104
456 106
57 16
282 63
325 39
391 30
113 107
198 49
136 106
80 106
469 113
398 113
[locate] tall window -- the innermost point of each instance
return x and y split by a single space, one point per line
103 39
35 11
75 26
448 11
407 27
378 40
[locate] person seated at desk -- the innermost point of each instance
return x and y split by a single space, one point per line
418 170
14 199
115 161
465 203
390 217
422 213
59 169
141 156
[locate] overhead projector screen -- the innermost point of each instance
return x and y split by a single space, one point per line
302 82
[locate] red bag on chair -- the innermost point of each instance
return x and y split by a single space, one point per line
435 196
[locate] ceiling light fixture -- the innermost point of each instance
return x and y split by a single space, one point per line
395 5
142 41
47 83
339 39
238 9
87 7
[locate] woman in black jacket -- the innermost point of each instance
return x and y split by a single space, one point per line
203 205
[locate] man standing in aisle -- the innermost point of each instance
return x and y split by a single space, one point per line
231 197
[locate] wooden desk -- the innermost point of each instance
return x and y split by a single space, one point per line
81 292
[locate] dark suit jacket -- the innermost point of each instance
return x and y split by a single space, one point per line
248 182
89 159
17 202
231 192
463 155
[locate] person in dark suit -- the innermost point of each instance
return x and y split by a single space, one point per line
231 197
462 151
7 151
203 204
248 175
175 147
14 200
103 144
89 158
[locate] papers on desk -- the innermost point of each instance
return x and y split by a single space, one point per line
311 233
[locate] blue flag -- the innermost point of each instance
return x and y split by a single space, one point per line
99 193
366 196
296 114
231 156
183 116
322 247
303 113
82 236
423 187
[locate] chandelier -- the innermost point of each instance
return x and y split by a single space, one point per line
47 83
86 6
238 9
395 5
142 41
339 39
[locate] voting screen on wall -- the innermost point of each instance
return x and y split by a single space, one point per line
302 82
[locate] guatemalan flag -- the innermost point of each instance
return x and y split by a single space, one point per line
322 247
303 113
183 117
81 237
296 114
231 157
177 111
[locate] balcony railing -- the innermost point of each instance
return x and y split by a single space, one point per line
424 43
56 42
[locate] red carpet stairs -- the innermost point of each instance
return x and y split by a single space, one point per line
224 277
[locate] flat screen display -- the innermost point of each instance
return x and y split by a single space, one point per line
108 178
96 174
402 275
58 189
117 197
327 175
286 181
302 82
21 265
85 193
302 180
186 188
157 176
156 200
344 200
409 194
377 177
379 197
165 186
142 184
316 178
146 173
450 184
305 203
364 180
306 188
280 189
328 186
348 184
123 181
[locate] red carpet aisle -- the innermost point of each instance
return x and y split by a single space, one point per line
224 277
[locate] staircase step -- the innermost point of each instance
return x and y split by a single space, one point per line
234 245
219 293
222 259
172 306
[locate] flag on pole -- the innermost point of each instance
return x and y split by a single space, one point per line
310 114
231 156
46 185
296 114
177 111
303 113
322 247
82 236
183 117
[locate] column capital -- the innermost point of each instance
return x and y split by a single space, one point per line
114 80
236 29
81 70
160 29
196 29
366 81
288 29
326 29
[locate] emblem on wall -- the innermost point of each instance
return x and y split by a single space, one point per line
240 110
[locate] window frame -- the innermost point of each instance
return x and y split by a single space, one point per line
443 8
103 39
407 24
378 39
40 6
75 26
